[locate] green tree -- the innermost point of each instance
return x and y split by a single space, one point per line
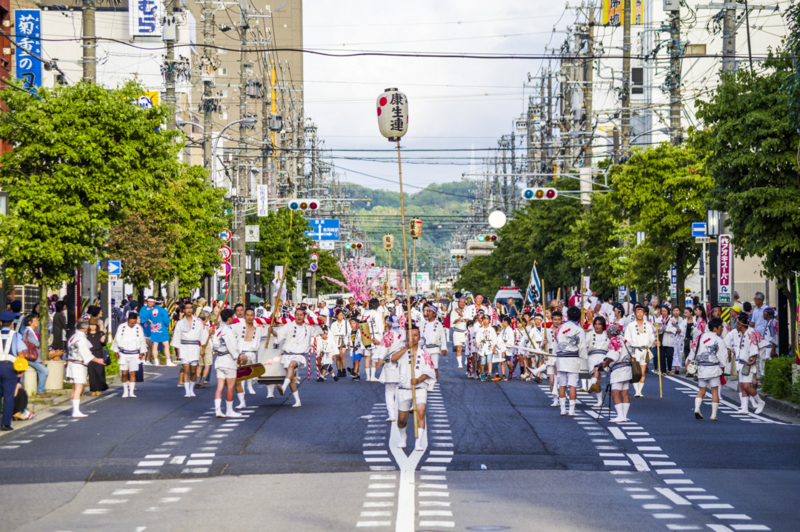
752 144
662 190
83 157
538 232
480 276
283 242
328 267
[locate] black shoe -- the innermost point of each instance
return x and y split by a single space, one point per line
356 378
336 378
6 428
350 370
321 379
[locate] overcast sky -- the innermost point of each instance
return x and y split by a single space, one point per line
453 103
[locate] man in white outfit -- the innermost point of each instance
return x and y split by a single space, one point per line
295 339
249 337
570 348
458 326
640 336
434 337
374 320
393 342
130 346
424 381
80 354
711 355
226 347
189 335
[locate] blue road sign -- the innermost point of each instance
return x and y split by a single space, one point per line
313 267
27 29
114 267
699 229
323 229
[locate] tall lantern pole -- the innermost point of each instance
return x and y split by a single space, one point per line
393 124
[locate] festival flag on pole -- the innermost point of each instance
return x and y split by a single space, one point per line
534 286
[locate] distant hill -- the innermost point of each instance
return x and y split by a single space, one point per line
381 216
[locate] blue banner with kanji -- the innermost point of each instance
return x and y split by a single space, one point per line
28 32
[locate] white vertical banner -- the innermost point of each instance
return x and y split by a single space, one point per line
262 199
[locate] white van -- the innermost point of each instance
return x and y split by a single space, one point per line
506 292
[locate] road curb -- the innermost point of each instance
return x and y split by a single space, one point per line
778 404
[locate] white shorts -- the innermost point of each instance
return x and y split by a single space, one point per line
459 337
640 356
226 373
551 369
746 379
713 382
404 399
620 385
288 358
77 373
594 360
567 379
435 359
129 363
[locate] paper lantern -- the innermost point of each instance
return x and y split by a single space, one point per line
393 114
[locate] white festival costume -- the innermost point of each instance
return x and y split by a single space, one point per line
226 347
188 338
597 347
620 367
423 365
248 348
80 354
129 343
458 324
295 342
485 342
640 339
711 355
434 339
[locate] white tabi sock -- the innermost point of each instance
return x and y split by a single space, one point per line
270 391
250 388
390 404
585 384
296 396
745 404
571 407
599 397
285 385
620 412
592 381
753 401
124 389
76 406
759 400
191 388
229 411
625 408
187 387
714 407
697 402
131 386
218 405
403 437
460 364
562 402
420 438
242 404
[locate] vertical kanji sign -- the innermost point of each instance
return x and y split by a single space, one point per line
28 32
725 269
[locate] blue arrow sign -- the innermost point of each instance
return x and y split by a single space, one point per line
699 229
114 267
323 229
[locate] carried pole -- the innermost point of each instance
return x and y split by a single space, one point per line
658 355
408 291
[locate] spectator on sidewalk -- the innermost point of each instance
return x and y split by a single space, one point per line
757 320
97 372
31 339
59 327
21 412
11 346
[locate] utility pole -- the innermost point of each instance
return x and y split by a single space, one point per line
674 77
626 79
729 40
242 171
208 82
169 35
550 121
89 42
588 91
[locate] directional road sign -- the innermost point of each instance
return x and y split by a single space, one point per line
225 235
698 229
114 267
324 229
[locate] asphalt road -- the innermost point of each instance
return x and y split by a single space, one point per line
498 458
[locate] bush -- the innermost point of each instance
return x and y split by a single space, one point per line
778 378
113 367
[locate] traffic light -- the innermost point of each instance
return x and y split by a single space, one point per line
487 238
415 228
540 193
388 242
459 257
353 245
302 204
